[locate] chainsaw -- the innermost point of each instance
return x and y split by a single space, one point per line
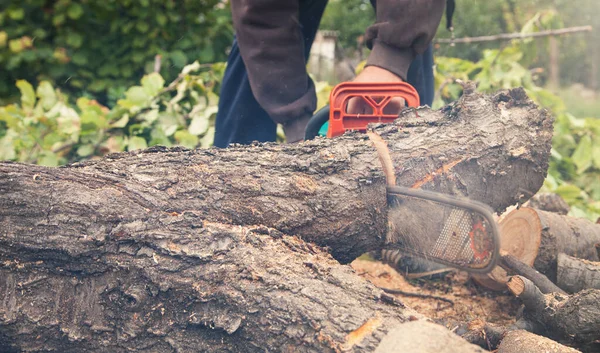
445 229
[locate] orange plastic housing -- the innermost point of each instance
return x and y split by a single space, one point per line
376 95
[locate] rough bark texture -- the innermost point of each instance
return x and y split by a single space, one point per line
175 250
176 283
576 274
481 333
564 234
523 341
548 202
573 320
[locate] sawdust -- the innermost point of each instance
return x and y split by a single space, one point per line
470 300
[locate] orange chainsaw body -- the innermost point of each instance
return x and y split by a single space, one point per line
376 95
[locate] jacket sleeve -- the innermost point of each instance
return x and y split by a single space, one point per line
403 29
272 47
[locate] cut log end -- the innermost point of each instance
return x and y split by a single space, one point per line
516 285
536 237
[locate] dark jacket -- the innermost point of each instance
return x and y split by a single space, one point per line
271 45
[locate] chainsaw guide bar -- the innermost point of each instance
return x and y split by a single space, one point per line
457 232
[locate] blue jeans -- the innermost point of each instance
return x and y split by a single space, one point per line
241 119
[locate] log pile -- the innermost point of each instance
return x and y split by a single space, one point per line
550 262
246 248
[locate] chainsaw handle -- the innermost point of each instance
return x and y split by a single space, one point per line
316 122
376 95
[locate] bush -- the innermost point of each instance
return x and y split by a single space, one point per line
98 48
43 128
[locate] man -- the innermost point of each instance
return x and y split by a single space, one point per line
266 82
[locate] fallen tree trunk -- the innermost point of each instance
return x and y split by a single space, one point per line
522 341
536 238
577 274
171 249
569 319
177 283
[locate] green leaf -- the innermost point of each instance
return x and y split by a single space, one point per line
142 26
48 159
161 19
15 45
58 20
47 95
582 157
135 97
199 125
85 150
136 143
74 11
121 123
186 139
190 68
208 139
74 39
79 59
596 152
158 137
16 13
27 94
570 193
7 146
153 83
3 39
178 58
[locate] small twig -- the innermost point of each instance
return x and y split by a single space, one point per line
509 262
157 62
63 147
417 295
509 36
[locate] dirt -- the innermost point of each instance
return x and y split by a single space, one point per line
470 301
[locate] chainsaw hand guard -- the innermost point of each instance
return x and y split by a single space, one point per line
376 96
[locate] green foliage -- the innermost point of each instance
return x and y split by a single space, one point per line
350 17
575 164
574 171
44 128
97 48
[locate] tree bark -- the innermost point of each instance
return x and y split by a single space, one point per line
178 283
522 341
569 319
577 274
176 250
548 202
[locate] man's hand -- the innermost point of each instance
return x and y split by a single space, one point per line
375 74
294 130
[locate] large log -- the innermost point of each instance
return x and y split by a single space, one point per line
177 283
575 274
523 341
153 250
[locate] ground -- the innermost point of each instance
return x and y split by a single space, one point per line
471 301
